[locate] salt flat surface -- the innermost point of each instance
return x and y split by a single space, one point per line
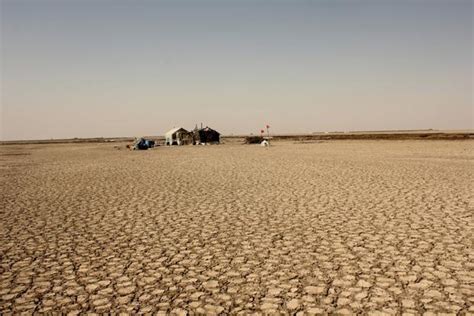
340 226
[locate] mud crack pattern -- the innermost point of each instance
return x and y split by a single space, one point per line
383 227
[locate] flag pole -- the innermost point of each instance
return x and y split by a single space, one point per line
268 134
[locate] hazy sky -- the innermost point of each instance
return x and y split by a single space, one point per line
128 68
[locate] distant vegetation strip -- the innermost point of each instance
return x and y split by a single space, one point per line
381 136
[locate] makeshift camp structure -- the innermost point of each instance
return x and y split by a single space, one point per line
142 144
178 136
206 136
254 139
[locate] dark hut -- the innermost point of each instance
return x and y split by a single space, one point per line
206 136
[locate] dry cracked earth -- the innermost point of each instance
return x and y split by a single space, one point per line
342 227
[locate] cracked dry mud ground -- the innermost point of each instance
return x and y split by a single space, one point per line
337 227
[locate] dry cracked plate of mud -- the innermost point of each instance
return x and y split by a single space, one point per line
383 227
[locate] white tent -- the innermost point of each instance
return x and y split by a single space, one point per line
175 136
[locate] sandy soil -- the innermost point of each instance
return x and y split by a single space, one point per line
341 226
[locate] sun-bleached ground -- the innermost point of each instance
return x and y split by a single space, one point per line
340 226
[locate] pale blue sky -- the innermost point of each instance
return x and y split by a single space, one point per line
127 68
